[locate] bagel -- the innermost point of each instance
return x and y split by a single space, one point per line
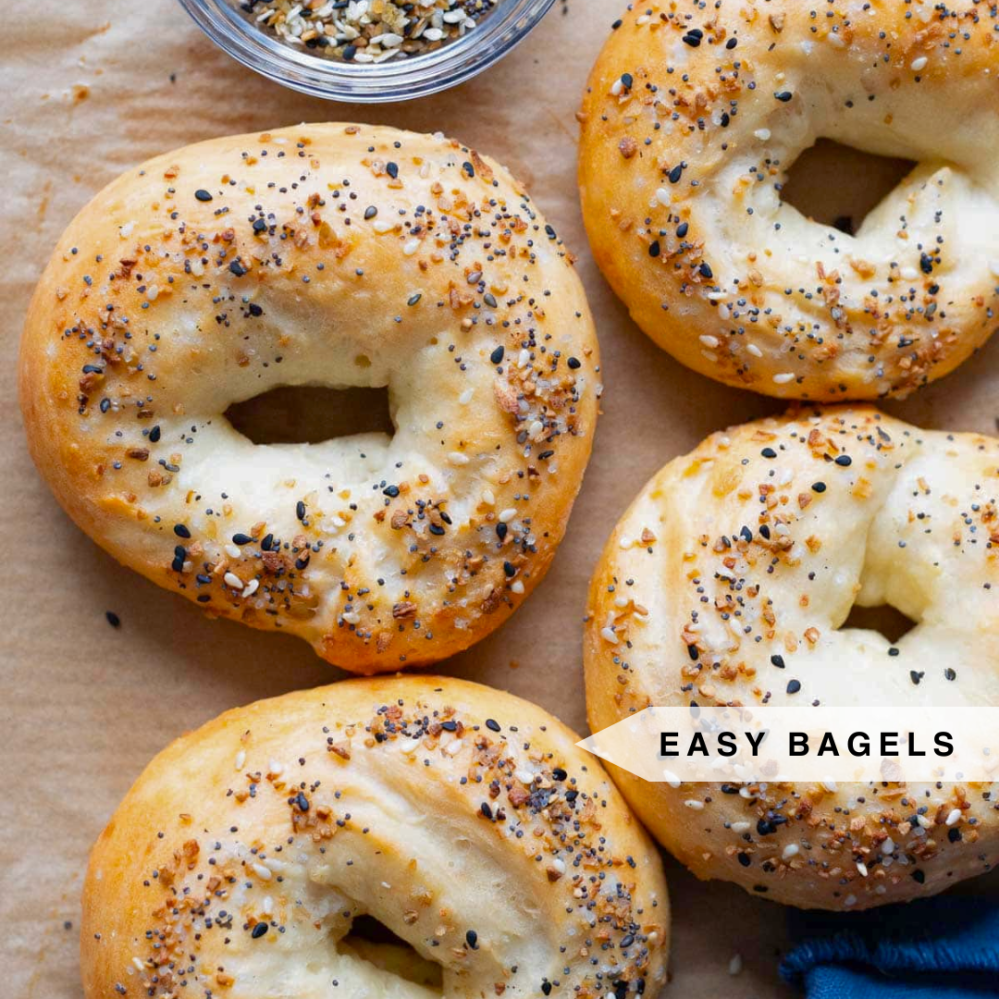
728 581
462 818
336 255
692 117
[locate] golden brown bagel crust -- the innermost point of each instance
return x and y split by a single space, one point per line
728 581
461 817
692 117
320 254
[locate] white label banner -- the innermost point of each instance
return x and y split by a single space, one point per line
686 744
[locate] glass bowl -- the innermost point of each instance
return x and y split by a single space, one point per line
397 79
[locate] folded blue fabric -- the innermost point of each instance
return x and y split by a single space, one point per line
938 948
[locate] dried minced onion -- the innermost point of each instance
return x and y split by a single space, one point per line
366 31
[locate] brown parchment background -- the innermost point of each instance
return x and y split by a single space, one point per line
91 87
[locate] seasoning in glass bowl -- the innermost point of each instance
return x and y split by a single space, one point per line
367 30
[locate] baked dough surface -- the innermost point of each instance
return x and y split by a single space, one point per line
693 115
336 255
729 581
462 818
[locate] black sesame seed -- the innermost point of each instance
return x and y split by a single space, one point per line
818 487
258 931
392 169
793 686
392 491
202 195
769 452
113 619
950 674
497 355
654 248
777 661
492 725
844 460
472 939
784 96
300 510
706 271
242 539
574 363
181 531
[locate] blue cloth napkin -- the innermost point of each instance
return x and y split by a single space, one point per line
938 948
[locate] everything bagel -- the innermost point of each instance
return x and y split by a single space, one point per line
728 581
462 818
692 117
337 255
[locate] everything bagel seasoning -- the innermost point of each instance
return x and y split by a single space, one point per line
367 31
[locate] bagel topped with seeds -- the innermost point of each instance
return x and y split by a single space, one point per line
251 856
730 580
336 255
693 116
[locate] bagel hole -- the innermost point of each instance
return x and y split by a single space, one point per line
838 185
372 941
887 620
311 414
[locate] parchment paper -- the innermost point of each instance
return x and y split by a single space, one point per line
94 86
